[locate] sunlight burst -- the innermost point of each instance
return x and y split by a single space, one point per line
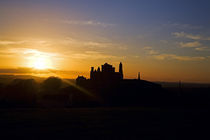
39 60
41 63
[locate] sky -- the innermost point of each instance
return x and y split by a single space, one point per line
165 40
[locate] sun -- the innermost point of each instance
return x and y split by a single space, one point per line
39 60
41 63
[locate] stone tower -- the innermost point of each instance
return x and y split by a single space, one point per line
121 70
139 76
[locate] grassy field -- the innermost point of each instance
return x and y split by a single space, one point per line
103 123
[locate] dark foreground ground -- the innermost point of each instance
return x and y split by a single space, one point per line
104 123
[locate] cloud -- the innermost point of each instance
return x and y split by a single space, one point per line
150 50
80 49
190 44
86 22
189 36
92 44
185 35
122 47
20 72
196 45
164 56
177 57
27 51
147 48
25 42
182 26
29 54
93 55
10 42
202 49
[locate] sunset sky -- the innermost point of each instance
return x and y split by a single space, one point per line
165 40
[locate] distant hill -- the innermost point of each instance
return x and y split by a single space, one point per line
5 79
184 85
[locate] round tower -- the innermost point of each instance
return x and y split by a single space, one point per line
121 70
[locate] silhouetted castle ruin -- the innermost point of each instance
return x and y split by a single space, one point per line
106 76
106 73
112 89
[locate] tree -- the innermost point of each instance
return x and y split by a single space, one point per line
52 83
